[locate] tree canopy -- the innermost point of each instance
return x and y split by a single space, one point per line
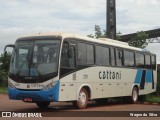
98 32
4 67
139 40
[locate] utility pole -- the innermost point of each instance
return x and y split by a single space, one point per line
111 19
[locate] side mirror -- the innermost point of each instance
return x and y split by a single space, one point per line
13 46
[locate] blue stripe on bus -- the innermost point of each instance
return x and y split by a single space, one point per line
148 76
138 76
41 95
56 91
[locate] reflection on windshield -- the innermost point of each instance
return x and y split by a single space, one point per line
35 58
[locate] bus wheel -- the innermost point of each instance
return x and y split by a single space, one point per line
43 105
134 97
81 103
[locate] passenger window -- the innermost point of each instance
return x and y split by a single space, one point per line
153 60
139 60
129 59
148 61
68 56
112 55
102 55
82 53
90 54
119 57
132 59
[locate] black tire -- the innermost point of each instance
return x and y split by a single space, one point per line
134 96
82 101
43 105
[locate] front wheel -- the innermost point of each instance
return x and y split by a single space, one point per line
81 103
42 105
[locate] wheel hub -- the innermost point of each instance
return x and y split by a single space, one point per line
135 95
82 98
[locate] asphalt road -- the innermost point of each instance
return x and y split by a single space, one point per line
58 108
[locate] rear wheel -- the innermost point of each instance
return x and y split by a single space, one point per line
81 103
134 97
43 104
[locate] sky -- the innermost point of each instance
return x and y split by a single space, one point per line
25 17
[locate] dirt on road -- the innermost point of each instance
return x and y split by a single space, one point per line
58 109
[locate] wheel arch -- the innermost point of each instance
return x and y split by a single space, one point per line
88 88
135 85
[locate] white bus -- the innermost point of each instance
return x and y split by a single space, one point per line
71 68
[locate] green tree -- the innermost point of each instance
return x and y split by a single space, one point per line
139 40
90 35
4 67
118 35
99 33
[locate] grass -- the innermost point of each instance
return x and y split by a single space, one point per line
3 90
153 97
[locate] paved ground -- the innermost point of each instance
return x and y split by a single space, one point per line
58 108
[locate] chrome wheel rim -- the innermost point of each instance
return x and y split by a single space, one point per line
135 96
82 98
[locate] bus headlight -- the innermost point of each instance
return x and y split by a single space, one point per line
49 86
11 85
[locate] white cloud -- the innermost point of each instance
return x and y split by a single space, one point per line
20 17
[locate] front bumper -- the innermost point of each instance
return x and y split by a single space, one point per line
38 95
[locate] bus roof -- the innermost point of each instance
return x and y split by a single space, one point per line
105 41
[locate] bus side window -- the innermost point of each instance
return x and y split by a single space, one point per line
90 54
64 58
128 59
153 60
71 57
148 61
112 56
68 59
132 59
82 53
119 58
68 56
102 55
139 60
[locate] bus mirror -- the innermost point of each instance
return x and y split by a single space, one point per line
13 46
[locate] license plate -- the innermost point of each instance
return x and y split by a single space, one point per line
27 99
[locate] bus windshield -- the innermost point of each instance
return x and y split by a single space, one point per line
35 57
